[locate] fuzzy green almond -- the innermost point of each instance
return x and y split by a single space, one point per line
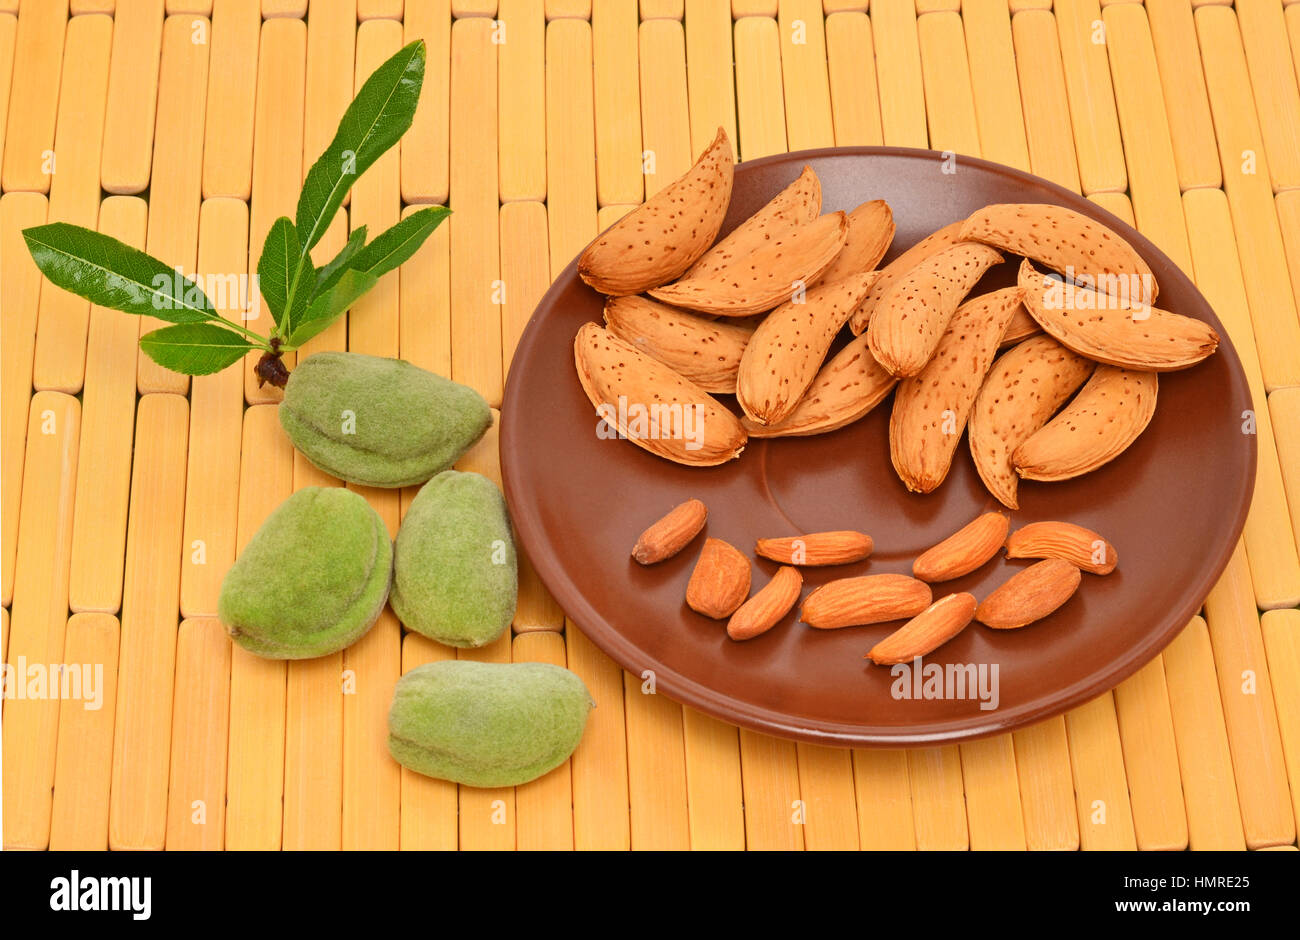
377 421
486 724
312 580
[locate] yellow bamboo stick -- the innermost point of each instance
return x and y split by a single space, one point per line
775 813
616 87
8 36
371 778
254 812
60 358
330 76
1100 785
938 803
656 767
664 120
278 127
1273 80
1146 732
34 96
150 600
1284 408
428 805
1046 786
475 259
898 73
1281 629
461 8
232 96
132 96
937 6
40 616
710 73
600 781
714 795
425 147
84 767
4 633
1247 692
993 811
176 184
760 104
884 799
217 404
851 66
993 82
1269 536
568 9
1092 100
1018 5
424 318
379 9
108 416
658 9
844 6
196 796
1246 182
201 7
78 7
742 8
520 34
284 8
570 141
1213 817
949 101
20 291
544 806
809 122
1043 94
1187 104
829 801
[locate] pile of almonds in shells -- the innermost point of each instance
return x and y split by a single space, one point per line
1051 378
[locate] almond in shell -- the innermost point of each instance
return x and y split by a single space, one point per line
1112 329
932 244
1066 241
1021 327
768 276
908 322
931 407
871 229
968 548
1026 386
765 609
1081 547
705 351
720 582
651 405
1029 595
1108 414
669 535
817 548
925 632
656 242
787 349
874 598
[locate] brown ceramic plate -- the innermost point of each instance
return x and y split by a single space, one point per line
1173 505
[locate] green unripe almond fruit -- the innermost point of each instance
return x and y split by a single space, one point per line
377 421
455 576
312 580
486 724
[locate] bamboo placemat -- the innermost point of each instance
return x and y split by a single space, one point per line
187 126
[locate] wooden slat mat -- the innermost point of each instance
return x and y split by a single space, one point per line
127 490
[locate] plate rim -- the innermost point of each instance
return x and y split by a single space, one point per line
684 690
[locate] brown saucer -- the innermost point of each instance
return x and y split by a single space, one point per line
1173 505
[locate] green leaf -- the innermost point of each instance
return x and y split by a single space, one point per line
326 308
376 119
396 245
329 275
195 348
112 274
277 267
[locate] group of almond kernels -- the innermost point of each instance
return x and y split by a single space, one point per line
757 313
720 582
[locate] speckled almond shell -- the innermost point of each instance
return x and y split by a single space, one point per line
768 276
790 345
609 367
846 388
1060 238
1021 327
1112 330
705 351
797 204
923 435
1025 387
871 229
1107 415
658 241
908 322
932 244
